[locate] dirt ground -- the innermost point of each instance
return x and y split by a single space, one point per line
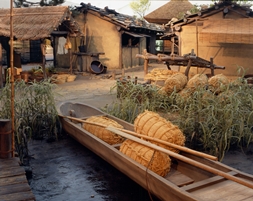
56 176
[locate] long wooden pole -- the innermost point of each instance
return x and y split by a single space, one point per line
182 158
12 78
181 148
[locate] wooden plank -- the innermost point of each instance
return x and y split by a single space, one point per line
15 188
206 182
178 178
12 171
20 196
224 191
12 180
9 162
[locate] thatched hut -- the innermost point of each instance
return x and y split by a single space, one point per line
31 26
172 9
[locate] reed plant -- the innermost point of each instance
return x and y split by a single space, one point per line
212 123
36 116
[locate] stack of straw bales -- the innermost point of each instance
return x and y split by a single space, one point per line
101 132
159 74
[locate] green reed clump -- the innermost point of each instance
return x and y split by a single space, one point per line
36 116
134 99
211 122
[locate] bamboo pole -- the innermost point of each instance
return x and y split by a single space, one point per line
182 158
12 78
181 148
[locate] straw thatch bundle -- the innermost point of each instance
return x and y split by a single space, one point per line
175 82
218 83
153 125
156 161
101 132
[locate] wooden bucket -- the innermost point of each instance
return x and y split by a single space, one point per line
5 138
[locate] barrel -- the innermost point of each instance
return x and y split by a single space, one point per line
5 138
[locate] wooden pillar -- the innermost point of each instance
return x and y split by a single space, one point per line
5 138
212 66
1 66
43 51
146 66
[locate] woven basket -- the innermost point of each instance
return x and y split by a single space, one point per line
102 133
153 125
157 162
175 82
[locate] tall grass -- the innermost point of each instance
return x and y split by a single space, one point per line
211 123
35 113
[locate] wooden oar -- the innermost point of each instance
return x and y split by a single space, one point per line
182 158
181 148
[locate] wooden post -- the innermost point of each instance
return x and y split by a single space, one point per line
12 80
212 66
43 51
1 67
146 66
5 138
70 61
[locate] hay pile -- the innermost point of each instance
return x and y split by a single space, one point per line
153 125
175 82
101 132
218 83
158 74
156 161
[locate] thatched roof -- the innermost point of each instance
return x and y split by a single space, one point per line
126 22
165 13
35 23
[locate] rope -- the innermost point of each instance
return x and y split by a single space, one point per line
150 196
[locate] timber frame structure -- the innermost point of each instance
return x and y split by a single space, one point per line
187 60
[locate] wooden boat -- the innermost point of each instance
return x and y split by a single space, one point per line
184 182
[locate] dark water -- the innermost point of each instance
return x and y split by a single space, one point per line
65 170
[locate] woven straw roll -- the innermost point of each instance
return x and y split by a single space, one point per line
217 83
102 133
175 82
159 163
153 125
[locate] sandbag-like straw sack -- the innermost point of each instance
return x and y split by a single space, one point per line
157 162
101 132
175 82
153 125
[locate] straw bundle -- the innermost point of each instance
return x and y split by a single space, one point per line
71 78
175 82
158 74
218 83
61 78
153 125
198 80
101 132
156 161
